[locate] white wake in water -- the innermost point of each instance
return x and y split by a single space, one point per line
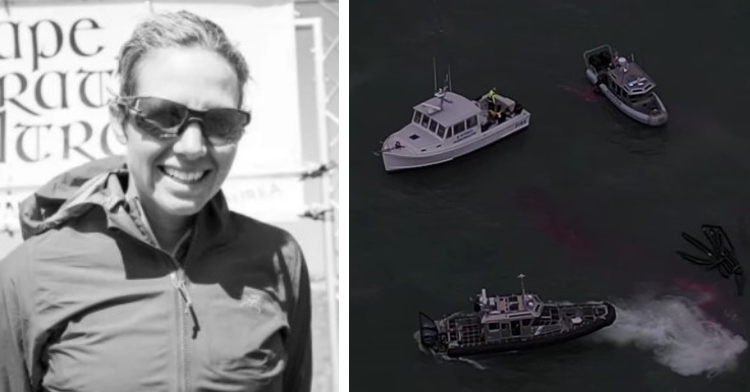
678 333
444 357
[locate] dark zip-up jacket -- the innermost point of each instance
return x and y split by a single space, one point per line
89 303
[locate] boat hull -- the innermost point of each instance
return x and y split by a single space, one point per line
395 160
591 76
660 118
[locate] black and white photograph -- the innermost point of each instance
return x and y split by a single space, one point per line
169 195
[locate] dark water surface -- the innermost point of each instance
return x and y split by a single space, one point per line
587 203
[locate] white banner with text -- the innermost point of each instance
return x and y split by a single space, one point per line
56 61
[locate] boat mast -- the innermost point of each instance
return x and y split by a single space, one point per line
523 289
450 85
434 74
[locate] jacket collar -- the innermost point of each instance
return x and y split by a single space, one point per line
99 184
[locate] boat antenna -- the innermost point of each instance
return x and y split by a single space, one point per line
523 289
434 74
450 85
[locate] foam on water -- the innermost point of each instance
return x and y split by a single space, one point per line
678 334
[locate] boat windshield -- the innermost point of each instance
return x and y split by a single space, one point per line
441 130
430 124
420 118
433 125
425 120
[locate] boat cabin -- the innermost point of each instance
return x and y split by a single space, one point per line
514 315
447 116
629 82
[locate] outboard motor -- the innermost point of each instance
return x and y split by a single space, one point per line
428 331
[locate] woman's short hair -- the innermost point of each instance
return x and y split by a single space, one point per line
175 30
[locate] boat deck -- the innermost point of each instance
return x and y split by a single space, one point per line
416 139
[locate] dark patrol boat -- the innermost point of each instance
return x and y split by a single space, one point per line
625 84
502 323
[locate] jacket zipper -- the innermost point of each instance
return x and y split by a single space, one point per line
179 280
181 349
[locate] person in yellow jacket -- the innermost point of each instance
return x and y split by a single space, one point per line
492 100
492 95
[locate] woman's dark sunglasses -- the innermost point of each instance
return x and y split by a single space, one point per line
166 119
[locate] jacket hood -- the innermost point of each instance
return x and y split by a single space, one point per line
68 195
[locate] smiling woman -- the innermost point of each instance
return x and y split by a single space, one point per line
134 275
176 176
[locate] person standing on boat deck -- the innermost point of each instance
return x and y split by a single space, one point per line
492 99
135 276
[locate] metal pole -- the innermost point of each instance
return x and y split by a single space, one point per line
327 223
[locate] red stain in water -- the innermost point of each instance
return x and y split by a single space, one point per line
706 292
556 227
709 300
588 94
